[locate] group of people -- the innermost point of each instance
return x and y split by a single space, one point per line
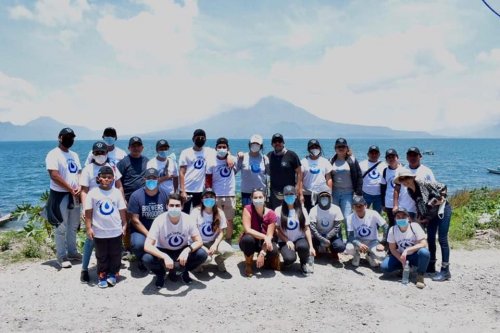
177 216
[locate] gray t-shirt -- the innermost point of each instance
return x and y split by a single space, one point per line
254 171
341 176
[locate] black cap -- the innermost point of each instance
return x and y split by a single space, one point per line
222 141
99 146
325 190
109 131
358 200
151 172
66 131
289 189
313 142
373 148
414 150
208 190
402 210
340 142
105 170
133 140
277 137
391 151
199 132
162 143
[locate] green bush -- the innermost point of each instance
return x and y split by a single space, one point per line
31 249
4 244
237 224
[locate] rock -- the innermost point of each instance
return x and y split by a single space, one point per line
139 314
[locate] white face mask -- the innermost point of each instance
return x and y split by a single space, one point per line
315 152
222 152
254 147
100 159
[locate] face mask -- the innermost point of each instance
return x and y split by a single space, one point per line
200 142
290 199
151 184
324 203
100 159
258 202
254 147
315 152
67 141
209 202
221 152
402 223
109 140
162 153
174 211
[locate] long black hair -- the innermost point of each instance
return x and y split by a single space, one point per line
297 205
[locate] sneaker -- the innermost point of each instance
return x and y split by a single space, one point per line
102 283
172 276
221 266
355 259
160 281
141 267
63 263
420 281
75 256
185 278
304 270
372 261
111 279
84 277
335 256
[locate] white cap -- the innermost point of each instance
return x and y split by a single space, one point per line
256 139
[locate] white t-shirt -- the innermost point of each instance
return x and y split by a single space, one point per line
89 175
325 218
365 228
223 178
372 181
314 172
196 163
404 199
106 206
204 224
114 156
405 239
168 185
173 236
293 231
68 165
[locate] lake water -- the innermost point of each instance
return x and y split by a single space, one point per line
459 163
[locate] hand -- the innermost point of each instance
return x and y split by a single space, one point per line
124 229
183 256
312 252
363 248
169 263
76 191
301 198
290 245
90 233
212 250
260 261
269 243
402 258
240 154
325 242
184 195
380 247
395 209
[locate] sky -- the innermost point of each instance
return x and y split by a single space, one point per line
145 65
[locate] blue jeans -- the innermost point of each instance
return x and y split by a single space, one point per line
420 259
157 266
441 227
137 244
65 233
374 200
88 247
343 199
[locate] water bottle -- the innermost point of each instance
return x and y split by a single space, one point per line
406 273
310 264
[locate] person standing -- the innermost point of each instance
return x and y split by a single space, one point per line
167 168
114 153
285 169
63 205
387 184
133 167
371 170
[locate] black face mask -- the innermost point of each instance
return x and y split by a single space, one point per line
67 141
323 206
199 142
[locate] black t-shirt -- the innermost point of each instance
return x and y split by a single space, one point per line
133 171
147 207
282 169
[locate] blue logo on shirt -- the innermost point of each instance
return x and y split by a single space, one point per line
374 174
391 181
324 223
405 243
292 225
225 172
206 230
255 168
364 231
106 207
314 169
72 167
175 240
200 162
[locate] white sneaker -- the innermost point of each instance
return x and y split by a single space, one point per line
372 261
64 263
355 259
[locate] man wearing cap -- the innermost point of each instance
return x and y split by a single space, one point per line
285 169
387 184
133 167
145 204
193 165
371 170
63 205
166 166
254 168
114 153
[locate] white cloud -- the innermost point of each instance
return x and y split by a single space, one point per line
20 12
492 57
53 13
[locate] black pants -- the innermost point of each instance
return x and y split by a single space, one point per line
194 201
308 202
301 248
336 244
390 216
249 245
108 252
157 265
274 201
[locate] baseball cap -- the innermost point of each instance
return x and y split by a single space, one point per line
402 210
391 151
373 148
340 142
277 137
109 131
151 172
358 200
222 141
133 140
99 146
256 138
208 190
162 143
105 170
414 150
289 189
66 131
313 142
199 132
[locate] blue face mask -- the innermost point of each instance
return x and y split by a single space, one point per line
290 199
109 140
209 202
162 153
151 184
402 223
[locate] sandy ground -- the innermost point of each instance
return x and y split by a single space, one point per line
39 297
